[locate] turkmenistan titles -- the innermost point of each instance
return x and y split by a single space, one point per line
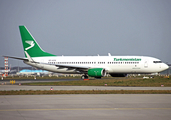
127 59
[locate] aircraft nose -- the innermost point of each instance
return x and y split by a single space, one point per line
165 66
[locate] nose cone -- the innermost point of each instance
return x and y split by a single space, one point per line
165 66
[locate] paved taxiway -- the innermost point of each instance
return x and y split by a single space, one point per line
86 107
17 81
23 87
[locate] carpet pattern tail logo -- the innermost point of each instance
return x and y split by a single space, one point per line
31 43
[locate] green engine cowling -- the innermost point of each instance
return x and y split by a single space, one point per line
96 72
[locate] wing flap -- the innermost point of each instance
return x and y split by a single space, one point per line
71 66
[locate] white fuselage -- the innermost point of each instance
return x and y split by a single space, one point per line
112 64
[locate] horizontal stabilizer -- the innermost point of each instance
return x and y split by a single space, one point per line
25 59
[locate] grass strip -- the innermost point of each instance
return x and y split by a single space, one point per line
46 92
138 82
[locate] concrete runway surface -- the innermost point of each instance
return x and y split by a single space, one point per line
86 107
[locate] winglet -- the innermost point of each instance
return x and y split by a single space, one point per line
109 54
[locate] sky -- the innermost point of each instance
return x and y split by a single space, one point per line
87 27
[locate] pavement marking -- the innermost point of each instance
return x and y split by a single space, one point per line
64 109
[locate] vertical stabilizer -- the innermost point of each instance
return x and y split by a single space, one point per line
30 45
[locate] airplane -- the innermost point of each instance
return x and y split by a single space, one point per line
88 66
2 72
32 72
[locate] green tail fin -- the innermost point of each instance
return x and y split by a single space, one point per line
30 45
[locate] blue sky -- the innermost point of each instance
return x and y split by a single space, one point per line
88 27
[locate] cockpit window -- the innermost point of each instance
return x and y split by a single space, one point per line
157 61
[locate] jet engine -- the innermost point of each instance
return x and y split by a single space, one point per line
96 72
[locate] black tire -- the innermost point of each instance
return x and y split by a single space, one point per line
84 77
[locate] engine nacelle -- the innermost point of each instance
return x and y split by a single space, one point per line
96 72
118 75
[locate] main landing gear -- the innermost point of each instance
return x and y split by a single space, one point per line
84 77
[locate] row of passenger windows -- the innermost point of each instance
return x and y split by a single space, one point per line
72 62
93 62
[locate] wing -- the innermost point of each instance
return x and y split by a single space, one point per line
79 69
71 66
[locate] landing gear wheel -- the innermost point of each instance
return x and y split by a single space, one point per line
84 77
